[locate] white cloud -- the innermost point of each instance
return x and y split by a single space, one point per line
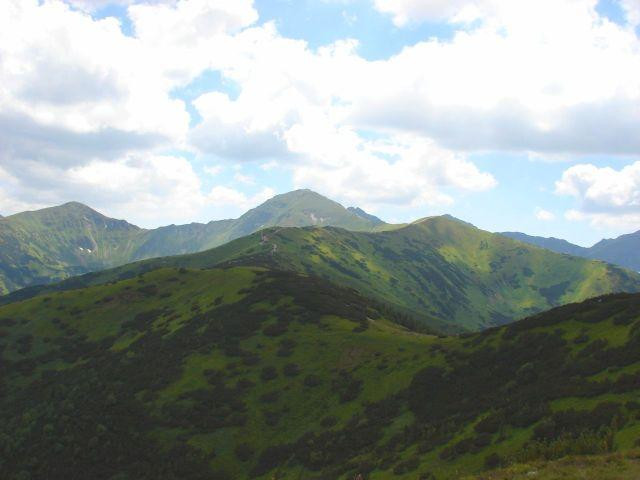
213 170
95 5
404 12
620 224
507 84
632 11
244 179
606 196
146 189
293 107
270 165
403 170
60 67
544 215
88 106
221 196
394 131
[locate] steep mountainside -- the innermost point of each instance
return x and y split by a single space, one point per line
48 245
367 216
251 373
54 243
446 273
623 251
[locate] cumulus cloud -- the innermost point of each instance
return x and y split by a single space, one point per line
504 83
404 12
632 11
403 170
92 108
544 215
500 84
497 12
293 107
77 95
606 196
146 189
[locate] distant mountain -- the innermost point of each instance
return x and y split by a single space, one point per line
442 272
623 251
555 244
55 243
252 373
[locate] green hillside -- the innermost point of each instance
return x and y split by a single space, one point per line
447 274
253 373
612 466
52 244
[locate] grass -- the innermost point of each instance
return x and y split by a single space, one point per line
443 274
204 372
618 466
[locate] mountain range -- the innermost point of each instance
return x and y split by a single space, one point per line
308 340
52 244
444 274
623 250
252 372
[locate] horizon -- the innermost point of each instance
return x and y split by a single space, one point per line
174 112
346 207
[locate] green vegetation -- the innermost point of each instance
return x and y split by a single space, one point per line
247 372
440 272
618 466
55 243
52 244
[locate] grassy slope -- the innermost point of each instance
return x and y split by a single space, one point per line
49 245
249 372
439 268
617 466
53 243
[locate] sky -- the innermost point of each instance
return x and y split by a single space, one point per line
518 115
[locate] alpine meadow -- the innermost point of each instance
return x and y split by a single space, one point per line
319 240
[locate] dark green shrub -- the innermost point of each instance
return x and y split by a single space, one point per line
493 460
291 370
244 452
407 466
312 381
268 373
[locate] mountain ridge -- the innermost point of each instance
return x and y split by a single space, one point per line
248 372
444 273
623 250
51 244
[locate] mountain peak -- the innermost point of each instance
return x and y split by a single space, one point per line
362 214
74 206
446 218
300 208
59 216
